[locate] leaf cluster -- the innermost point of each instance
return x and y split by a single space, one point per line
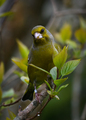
22 62
57 73
64 69
75 40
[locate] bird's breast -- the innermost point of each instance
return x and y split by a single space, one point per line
41 57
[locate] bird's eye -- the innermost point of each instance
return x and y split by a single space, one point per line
42 30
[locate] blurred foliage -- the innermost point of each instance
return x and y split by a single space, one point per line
64 37
8 93
8 118
80 34
23 49
4 94
1 72
66 32
6 14
11 114
2 2
20 64
82 23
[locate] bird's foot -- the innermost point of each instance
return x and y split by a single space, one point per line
37 96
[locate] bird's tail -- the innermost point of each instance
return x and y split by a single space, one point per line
29 93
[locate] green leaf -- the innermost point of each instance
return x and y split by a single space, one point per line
58 48
8 118
66 32
1 71
69 67
18 73
71 44
20 64
6 14
80 34
82 23
39 68
49 92
25 79
53 73
53 94
11 114
8 93
60 58
25 60
23 49
58 82
62 87
58 38
48 85
0 94
2 2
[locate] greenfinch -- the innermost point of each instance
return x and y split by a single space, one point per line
41 55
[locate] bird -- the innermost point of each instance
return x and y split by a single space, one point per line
41 55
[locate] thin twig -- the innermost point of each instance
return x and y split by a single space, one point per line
11 79
63 13
54 6
53 17
70 11
45 104
6 105
9 72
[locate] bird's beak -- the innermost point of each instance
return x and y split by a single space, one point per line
38 35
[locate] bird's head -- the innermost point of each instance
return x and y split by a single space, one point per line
41 35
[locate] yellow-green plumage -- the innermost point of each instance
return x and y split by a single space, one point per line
41 55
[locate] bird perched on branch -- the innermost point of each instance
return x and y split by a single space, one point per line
41 55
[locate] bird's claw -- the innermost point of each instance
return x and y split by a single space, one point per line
37 95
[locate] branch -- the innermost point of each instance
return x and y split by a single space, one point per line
5 105
24 113
38 113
